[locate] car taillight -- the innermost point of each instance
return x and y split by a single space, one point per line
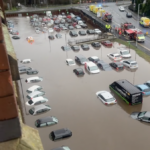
105 103
124 67
143 92
115 100
117 68
129 103
114 57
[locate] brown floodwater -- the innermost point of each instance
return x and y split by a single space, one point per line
73 100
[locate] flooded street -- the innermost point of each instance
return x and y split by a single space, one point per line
73 99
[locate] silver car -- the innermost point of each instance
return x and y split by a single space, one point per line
39 109
24 69
35 94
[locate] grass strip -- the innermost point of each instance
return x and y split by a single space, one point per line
138 51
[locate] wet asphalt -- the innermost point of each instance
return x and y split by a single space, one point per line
73 99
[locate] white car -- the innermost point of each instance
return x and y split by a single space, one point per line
34 88
50 30
106 97
37 30
35 94
91 67
70 62
59 17
72 15
121 8
33 79
77 26
37 101
114 56
125 53
130 64
25 61
97 31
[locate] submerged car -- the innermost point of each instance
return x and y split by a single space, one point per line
106 97
107 43
117 65
82 32
90 32
97 31
51 37
73 33
31 72
58 36
94 59
25 61
70 62
60 134
77 26
91 67
104 66
16 37
130 64
70 27
36 101
62 148
125 53
85 46
81 59
24 69
144 89
141 116
96 44
79 71
114 56
46 121
36 110
34 88
34 79
35 94
66 48
75 48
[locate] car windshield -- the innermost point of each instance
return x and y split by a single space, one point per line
76 47
133 64
96 60
140 35
110 99
30 102
109 16
147 90
67 48
130 26
125 52
117 55
31 111
82 32
93 68
85 46
129 14
83 59
141 114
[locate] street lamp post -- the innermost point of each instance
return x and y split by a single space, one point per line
138 19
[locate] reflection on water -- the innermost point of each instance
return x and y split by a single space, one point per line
73 100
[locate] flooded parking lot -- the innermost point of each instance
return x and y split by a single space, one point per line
73 99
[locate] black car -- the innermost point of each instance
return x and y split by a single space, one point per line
51 37
82 32
90 32
129 15
16 37
78 71
94 59
60 134
96 44
73 33
85 46
31 72
117 65
70 27
66 48
83 25
75 48
104 66
58 35
74 20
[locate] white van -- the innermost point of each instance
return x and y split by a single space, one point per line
37 101
35 94
34 88
33 79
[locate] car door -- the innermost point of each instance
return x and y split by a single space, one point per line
145 119
101 97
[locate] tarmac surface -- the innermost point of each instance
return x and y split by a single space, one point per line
73 99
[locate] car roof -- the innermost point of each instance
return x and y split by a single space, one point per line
60 131
124 50
32 70
31 78
33 87
118 63
46 119
115 53
106 95
128 86
80 56
94 57
26 59
38 98
131 60
69 59
143 86
90 64
147 114
34 93
38 107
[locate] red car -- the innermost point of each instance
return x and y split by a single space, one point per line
56 28
69 16
74 24
107 43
